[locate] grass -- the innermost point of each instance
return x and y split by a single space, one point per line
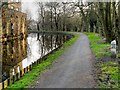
32 76
97 45
108 69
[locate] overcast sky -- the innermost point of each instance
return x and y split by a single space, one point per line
30 7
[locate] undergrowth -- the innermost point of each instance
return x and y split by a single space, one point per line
108 74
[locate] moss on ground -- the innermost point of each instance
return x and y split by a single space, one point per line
32 76
108 75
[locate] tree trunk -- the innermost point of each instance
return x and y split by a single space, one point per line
56 19
106 19
118 27
38 30
108 22
51 19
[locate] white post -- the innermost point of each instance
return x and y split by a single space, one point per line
113 47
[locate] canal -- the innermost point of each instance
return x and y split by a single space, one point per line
20 53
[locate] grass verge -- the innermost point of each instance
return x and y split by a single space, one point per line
31 76
107 68
98 46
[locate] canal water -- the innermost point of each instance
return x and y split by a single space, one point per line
20 53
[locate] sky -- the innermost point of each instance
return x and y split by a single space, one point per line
31 6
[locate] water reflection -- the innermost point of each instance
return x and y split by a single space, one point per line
20 53
12 54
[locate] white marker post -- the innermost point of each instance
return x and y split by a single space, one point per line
113 48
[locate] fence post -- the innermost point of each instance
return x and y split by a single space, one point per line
1 87
22 72
30 67
27 69
11 79
5 83
19 75
8 81
16 77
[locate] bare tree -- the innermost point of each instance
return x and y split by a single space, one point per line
41 12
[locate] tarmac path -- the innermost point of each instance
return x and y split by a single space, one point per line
73 69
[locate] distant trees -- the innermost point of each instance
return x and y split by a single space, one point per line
99 17
56 16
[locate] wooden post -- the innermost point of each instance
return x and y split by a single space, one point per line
11 79
1 86
30 67
22 72
6 83
18 75
27 69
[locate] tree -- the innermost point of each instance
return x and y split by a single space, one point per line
118 26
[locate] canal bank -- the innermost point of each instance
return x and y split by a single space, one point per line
37 69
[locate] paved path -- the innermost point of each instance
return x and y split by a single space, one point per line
72 70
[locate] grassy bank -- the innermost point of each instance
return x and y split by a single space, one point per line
107 67
32 76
